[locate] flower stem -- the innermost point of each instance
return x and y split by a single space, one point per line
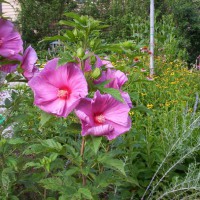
82 155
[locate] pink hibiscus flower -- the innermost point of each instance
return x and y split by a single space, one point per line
10 40
103 116
28 63
58 90
117 80
107 64
116 77
88 66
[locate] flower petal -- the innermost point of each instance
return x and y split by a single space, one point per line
101 130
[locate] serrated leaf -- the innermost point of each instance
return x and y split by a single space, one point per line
34 149
85 192
51 144
115 163
96 141
53 156
44 118
115 93
54 184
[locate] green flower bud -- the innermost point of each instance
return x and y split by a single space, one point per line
96 73
80 52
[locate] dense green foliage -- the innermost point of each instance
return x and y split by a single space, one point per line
122 16
157 158
39 18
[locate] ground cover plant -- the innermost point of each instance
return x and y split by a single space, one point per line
51 155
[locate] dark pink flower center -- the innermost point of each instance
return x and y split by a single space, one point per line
99 119
63 93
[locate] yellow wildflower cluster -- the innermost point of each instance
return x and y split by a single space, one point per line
149 106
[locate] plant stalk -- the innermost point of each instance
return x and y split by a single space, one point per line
82 156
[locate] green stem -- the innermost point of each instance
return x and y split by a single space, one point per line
82 156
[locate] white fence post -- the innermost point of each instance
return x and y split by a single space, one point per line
152 38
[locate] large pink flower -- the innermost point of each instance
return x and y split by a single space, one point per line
88 66
116 77
103 116
117 80
10 40
58 90
28 63
98 64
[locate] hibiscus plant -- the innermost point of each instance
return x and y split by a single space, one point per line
79 87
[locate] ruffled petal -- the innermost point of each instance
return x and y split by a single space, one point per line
101 130
84 111
127 99
57 107
118 129
43 91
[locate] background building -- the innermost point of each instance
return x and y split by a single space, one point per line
10 10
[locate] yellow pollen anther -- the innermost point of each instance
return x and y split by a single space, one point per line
100 119
63 94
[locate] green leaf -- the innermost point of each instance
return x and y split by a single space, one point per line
8 103
53 156
51 198
11 162
87 55
51 144
114 92
74 127
69 34
32 164
66 57
54 184
70 23
15 141
72 15
44 118
85 192
34 149
115 163
96 141
54 38
143 109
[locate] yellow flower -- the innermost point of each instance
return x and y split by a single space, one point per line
167 104
174 82
149 106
